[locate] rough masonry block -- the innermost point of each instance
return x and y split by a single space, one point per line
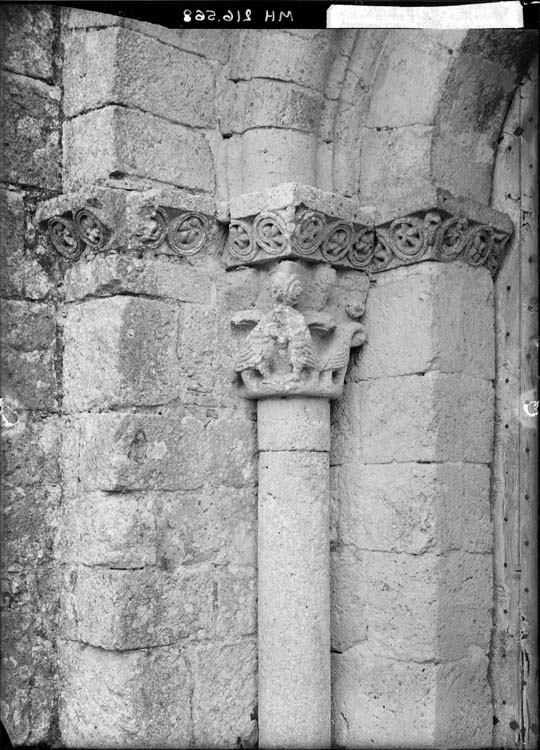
266 103
110 529
27 40
27 679
232 448
349 623
122 610
272 156
225 693
115 65
414 508
28 326
409 78
30 451
22 276
119 351
30 518
446 322
29 378
120 452
108 275
282 56
405 704
218 525
431 417
31 145
424 607
116 141
128 699
393 160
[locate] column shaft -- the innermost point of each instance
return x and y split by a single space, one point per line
293 559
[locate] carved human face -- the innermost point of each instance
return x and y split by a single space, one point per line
286 287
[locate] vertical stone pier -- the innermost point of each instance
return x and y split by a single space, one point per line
294 573
293 362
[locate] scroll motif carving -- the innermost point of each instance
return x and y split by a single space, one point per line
288 352
438 236
309 234
76 232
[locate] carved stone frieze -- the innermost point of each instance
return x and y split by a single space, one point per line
297 352
100 220
298 222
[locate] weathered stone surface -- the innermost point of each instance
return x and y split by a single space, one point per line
470 115
240 289
422 607
409 78
446 323
28 326
414 508
117 66
27 39
132 609
218 525
120 452
27 680
293 424
424 705
197 337
109 275
119 351
31 145
349 623
398 157
111 529
29 378
225 693
119 609
30 517
276 54
264 103
271 156
22 276
30 451
211 43
294 587
231 451
124 699
118 141
436 417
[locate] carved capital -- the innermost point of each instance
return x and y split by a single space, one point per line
292 347
102 220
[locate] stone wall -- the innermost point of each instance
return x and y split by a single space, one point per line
31 372
130 477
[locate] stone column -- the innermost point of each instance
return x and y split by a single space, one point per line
293 362
294 572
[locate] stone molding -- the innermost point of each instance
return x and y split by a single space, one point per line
298 222
289 352
290 221
104 219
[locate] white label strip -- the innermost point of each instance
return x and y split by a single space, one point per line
498 15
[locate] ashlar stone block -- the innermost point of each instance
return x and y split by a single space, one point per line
446 322
428 607
119 452
431 417
414 507
401 704
116 65
124 142
118 351
128 699
120 610
225 693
